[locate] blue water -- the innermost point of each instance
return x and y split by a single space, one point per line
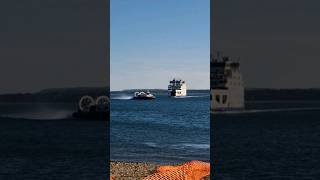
165 130
268 140
42 141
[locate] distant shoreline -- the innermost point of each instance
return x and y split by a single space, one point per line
74 94
246 89
155 90
55 95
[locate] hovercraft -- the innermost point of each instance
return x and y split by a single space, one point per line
143 96
93 109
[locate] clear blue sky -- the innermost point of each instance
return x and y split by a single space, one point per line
155 40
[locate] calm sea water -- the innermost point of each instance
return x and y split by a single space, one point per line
268 140
165 130
42 141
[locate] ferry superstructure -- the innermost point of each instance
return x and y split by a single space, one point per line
177 87
227 87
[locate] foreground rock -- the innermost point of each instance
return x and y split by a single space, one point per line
131 171
149 171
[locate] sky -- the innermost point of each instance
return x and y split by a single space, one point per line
52 44
277 40
153 41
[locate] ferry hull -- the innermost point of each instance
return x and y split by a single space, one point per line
226 110
227 99
176 94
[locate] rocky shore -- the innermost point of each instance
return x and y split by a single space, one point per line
133 171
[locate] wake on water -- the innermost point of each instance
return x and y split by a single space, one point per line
40 115
128 97
122 97
178 146
191 96
55 114
268 110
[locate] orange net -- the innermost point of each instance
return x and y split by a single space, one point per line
193 170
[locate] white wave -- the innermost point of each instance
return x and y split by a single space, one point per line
191 96
151 144
179 146
194 146
41 115
122 97
268 110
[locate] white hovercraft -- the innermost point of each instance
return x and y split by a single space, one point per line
90 108
143 96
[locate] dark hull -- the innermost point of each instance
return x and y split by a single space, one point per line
173 93
144 98
101 116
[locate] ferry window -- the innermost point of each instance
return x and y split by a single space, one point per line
224 99
218 98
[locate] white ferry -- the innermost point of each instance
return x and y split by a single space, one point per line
177 87
227 89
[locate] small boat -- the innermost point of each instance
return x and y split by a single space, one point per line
143 95
91 109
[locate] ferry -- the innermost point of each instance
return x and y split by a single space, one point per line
93 109
227 87
177 87
143 96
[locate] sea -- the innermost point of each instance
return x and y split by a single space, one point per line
43 141
278 140
269 139
167 130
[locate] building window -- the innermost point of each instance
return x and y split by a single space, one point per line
224 99
218 98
